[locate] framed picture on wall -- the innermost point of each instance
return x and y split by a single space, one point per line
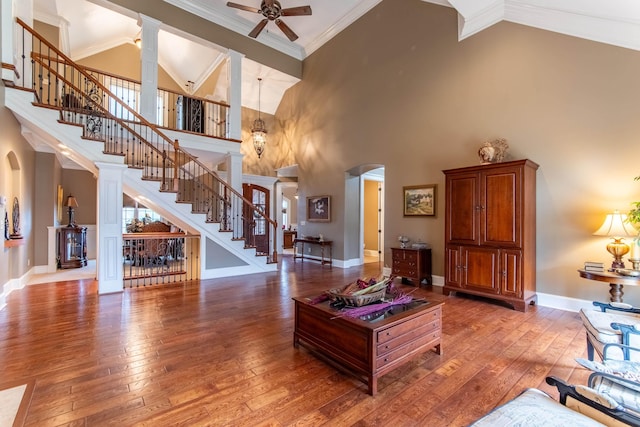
59 201
420 200
319 209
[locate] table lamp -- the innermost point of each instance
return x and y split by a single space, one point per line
73 203
616 227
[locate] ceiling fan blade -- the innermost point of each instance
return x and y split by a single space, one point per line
243 7
286 30
296 11
258 28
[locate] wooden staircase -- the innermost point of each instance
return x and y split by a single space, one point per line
82 100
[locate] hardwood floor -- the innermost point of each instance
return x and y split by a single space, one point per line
220 353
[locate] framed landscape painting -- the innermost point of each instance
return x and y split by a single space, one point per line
420 200
319 209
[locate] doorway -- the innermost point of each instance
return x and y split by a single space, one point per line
256 229
372 184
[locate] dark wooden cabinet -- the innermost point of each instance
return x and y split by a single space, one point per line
411 264
490 226
288 238
72 247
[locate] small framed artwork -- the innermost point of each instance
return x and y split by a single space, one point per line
420 200
59 201
319 209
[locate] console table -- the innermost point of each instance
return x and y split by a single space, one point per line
372 345
614 280
307 241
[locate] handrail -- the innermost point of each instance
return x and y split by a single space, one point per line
95 70
178 110
199 182
11 67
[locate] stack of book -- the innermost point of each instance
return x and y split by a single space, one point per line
593 266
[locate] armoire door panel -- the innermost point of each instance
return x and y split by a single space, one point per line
462 209
501 212
480 271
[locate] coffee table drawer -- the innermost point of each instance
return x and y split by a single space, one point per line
395 331
423 342
412 335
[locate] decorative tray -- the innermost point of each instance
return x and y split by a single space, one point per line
357 300
628 272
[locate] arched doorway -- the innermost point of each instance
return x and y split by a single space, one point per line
256 228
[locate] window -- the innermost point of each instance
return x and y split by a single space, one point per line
131 97
143 214
285 213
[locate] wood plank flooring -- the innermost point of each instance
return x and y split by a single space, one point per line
220 353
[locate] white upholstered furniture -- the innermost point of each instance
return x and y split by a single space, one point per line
611 325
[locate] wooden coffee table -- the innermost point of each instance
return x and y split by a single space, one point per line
372 346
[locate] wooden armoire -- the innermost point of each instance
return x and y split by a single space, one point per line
490 226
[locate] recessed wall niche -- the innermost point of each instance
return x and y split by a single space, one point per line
9 192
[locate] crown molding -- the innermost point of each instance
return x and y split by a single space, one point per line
618 30
475 16
608 23
353 15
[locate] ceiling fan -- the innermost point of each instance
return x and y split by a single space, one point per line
272 11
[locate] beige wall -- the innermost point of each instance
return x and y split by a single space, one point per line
397 88
16 181
278 150
47 176
124 61
83 186
49 32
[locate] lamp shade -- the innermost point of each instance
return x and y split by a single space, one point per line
71 202
615 225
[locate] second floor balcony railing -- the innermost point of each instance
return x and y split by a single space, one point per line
177 111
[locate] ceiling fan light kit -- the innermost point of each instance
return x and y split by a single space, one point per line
272 11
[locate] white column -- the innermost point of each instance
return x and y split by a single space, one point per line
149 68
6 25
109 227
234 171
235 95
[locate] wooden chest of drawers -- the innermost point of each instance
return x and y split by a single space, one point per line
411 264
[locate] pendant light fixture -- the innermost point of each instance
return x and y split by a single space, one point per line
258 131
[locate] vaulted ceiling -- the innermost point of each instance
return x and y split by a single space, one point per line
91 26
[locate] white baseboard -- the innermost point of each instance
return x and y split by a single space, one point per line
544 300
13 285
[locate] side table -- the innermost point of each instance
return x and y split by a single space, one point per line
614 280
411 264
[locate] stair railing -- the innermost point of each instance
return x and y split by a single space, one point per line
60 83
179 111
